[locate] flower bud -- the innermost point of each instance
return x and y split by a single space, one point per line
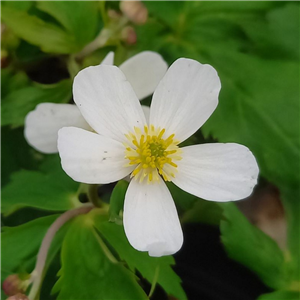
18 296
128 35
13 285
135 11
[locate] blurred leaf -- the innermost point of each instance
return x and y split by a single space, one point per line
97 276
19 5
11 81
290 199
166 12
20 244
50 37
183 200
116 202
280 32
17 104
259 99
261 110
203 211
251 247
15 153
141 261
49 189
79 18
281 295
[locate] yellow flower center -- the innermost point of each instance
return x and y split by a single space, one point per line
152 153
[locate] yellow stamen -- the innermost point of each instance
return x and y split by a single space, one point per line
152 154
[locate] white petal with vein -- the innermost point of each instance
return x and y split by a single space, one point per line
185 98
91 158
217 172
107 101
150 219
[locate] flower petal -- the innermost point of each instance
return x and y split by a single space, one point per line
217 172
91 158
185 98
150 219
107 101
108 59
43 123
144 71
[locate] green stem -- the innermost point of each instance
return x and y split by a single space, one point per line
154 281
103 12
106 251
93 195
37 273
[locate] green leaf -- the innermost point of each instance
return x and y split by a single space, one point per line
183 200
11 81
251 247
281 295
20 244
203 211
166 12
20 5
49 37
290 199
17 104
15 153
49 189
97 277
259 99
141 261
279 36
79 18
116 202
258 114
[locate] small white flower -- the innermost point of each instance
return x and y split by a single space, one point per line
43 123
125 143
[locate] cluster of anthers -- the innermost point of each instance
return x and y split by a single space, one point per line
152 153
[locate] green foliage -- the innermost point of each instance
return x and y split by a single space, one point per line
281 295
50 189
19 5
16 154
141 261
116 202
88 272
49 37
19 248
253 45
18 103
79 18
11 81
203 211
258 104
290 198
77 24
251 247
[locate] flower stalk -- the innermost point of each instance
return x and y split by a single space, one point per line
37 273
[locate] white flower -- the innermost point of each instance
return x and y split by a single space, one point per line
124 143
43 123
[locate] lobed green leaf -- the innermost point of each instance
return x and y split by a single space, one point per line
79 18
88 273
148 266
20 244
49 189
49 37
251 247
